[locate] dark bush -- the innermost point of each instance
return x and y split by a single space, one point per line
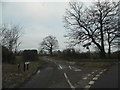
30 55
70 54
7 56
115 55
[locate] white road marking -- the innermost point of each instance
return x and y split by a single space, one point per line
77 70
70 67
100 72
85 78
60 67
104 69
89 74
87 86
93 72
95 78
38 71
68 81
91 82
97 75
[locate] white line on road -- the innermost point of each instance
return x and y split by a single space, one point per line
77 70
85 78
100 72
87 86
93 72
91 82
97 75
38 71
89 74
70 67
60 67
104 69
95 78
69 81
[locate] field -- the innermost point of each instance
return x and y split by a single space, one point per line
12 77
98 63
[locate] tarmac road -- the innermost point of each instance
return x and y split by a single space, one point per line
63 74
110 79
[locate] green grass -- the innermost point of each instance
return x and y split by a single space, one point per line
19 59
98 63
13 78
95 64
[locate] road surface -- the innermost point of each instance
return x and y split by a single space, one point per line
109 79
63 74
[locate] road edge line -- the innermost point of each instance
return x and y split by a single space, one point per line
60 67
71 86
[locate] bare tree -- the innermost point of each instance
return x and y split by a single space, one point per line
10 36
117 41
49 43
94 24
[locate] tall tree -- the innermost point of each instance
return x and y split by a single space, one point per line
117 42
94 24
49 43
10 35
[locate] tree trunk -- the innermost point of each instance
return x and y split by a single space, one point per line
51 52
102 37
102 53
109 50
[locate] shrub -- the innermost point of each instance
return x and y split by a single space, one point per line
30 55
7 56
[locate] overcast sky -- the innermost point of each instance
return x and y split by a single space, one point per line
38 19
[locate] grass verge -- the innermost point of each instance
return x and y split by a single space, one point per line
95 64
12 77
98 63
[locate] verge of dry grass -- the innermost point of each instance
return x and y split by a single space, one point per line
12 77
